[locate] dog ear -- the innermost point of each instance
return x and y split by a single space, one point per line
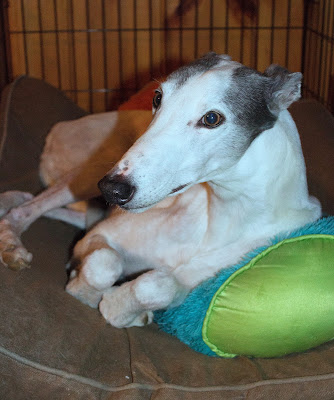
283 89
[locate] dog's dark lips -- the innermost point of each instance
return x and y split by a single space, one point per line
134 209
178 188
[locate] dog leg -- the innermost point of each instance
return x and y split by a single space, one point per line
133 303
11 199
73 217
100 268
18 219
15 198
117 132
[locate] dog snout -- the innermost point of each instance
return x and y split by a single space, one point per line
116 189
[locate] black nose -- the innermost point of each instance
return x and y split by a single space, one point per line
116 189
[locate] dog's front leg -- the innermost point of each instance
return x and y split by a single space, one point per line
98 267
133 303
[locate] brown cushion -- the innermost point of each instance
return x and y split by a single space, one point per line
52 346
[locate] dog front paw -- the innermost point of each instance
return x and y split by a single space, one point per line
113 313
12 252
145 318
82 291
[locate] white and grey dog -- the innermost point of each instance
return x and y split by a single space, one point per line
218 171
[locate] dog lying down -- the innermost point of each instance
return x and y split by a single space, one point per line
215 173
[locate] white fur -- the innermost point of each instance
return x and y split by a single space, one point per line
233 204
234 195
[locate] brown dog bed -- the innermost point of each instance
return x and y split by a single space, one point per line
54 347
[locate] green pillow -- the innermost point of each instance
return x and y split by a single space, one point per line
279 299
280 302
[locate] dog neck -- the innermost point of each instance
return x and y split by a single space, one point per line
267 186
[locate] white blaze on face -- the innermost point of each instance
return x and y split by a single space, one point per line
178 151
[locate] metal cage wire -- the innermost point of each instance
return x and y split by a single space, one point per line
318 59
99 52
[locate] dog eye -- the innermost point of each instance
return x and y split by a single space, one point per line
212 119
157 99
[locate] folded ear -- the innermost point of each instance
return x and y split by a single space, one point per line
283 89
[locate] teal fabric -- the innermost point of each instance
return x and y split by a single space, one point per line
186 320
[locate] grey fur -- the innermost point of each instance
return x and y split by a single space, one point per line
247 99
256 99
201 65
285 88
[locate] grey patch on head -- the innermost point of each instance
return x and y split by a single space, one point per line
247 100
201 65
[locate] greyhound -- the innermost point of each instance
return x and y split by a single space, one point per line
217 172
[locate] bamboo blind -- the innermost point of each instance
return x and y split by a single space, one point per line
101 51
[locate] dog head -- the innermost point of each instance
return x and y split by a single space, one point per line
205 116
